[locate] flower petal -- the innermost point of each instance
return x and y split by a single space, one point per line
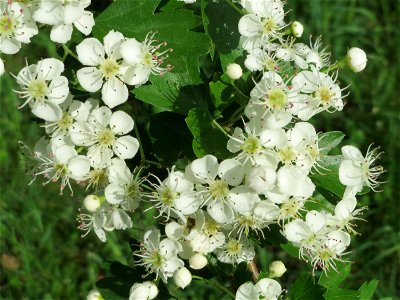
79 167
61 33
115 193
90 52
121 122
85 23
126 147
90 78
114 92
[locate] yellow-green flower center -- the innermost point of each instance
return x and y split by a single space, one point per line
7 25
287 155
37 89
269 26
246 222
277 98
65 122
325 254
251 145
155 259
219 189
98 177
167 196
61 169
109 67
133 189
269 64
234 247
324 94
147 59
290 209
106 137
211 227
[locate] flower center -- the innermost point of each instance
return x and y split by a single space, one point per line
61 169
269 64
167 196
98 177
290 209
106 137
287 155
109 67
132 189
147 59
155 259
65 122
7 25
324 94
325 254
234 247
269 26
252 145
277 98
211 227
37 89
219 189
246 222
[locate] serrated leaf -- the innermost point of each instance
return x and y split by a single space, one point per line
367 290
135 18
329 140
171 137
332 279
223 94
341 294
304 288
207 138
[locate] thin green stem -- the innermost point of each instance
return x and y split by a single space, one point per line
338 65
142 155
216 284
220 127
68 52
235 7
238 90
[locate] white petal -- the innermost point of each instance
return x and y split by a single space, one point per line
49 68
61 33
247 291
90 78
100 117
174 231
79 167
261 179
115 193
178 182
42 14
352 153
58 90
316 220
118 172
112 42
188 203
151 238
220 211
266 211
169 248
345 207
121 219
85 23
269 288
296 231
79 110
10 46
204 168
350 174
114 92
231 171
250 25
47 111
126 147
80 133
135 75
131 51
72 12
90 52
64 153
99 156
121 122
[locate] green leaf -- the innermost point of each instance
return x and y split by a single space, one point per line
290 249
367 290
304 288
329 140
187 45
332 279
171 137
208 139
341 294
223 93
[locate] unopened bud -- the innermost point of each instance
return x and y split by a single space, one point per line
92 203
1 67
297 29
234 71
94 295
182 277
146 290
356 59
276 269
198 261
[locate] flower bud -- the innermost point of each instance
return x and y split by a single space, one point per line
297 29
198 261
182 277
146 290
92 203
356 59
276 269
234 71
1 67
94 295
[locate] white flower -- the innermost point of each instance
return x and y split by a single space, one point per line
319 57
357 171
262 24
182 277
356 59
160 257
297 29
43 88
276 269
296 52
94 295
102 134
62 15
235 250
143 59
266 288
98 221
261 59
104 68
234 71
16 26
143 291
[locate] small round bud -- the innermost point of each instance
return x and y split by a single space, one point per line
234 71
1 67
198 261
182 277
356 59
276 269
92 203
146 290
94 295
297 29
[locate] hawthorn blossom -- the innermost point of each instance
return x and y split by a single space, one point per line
266 288
16 26
43 88
235 250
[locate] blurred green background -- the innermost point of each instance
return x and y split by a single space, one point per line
41 253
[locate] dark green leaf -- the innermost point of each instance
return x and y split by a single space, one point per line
329 140
332 279
341 294
292 250
223 93
367 290
304 288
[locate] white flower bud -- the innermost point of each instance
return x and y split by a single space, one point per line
198 261
356 59
92 203
146 290
94 295
234 71
297 29
182 277
1 67
276 269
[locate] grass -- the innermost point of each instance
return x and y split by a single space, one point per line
42 254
